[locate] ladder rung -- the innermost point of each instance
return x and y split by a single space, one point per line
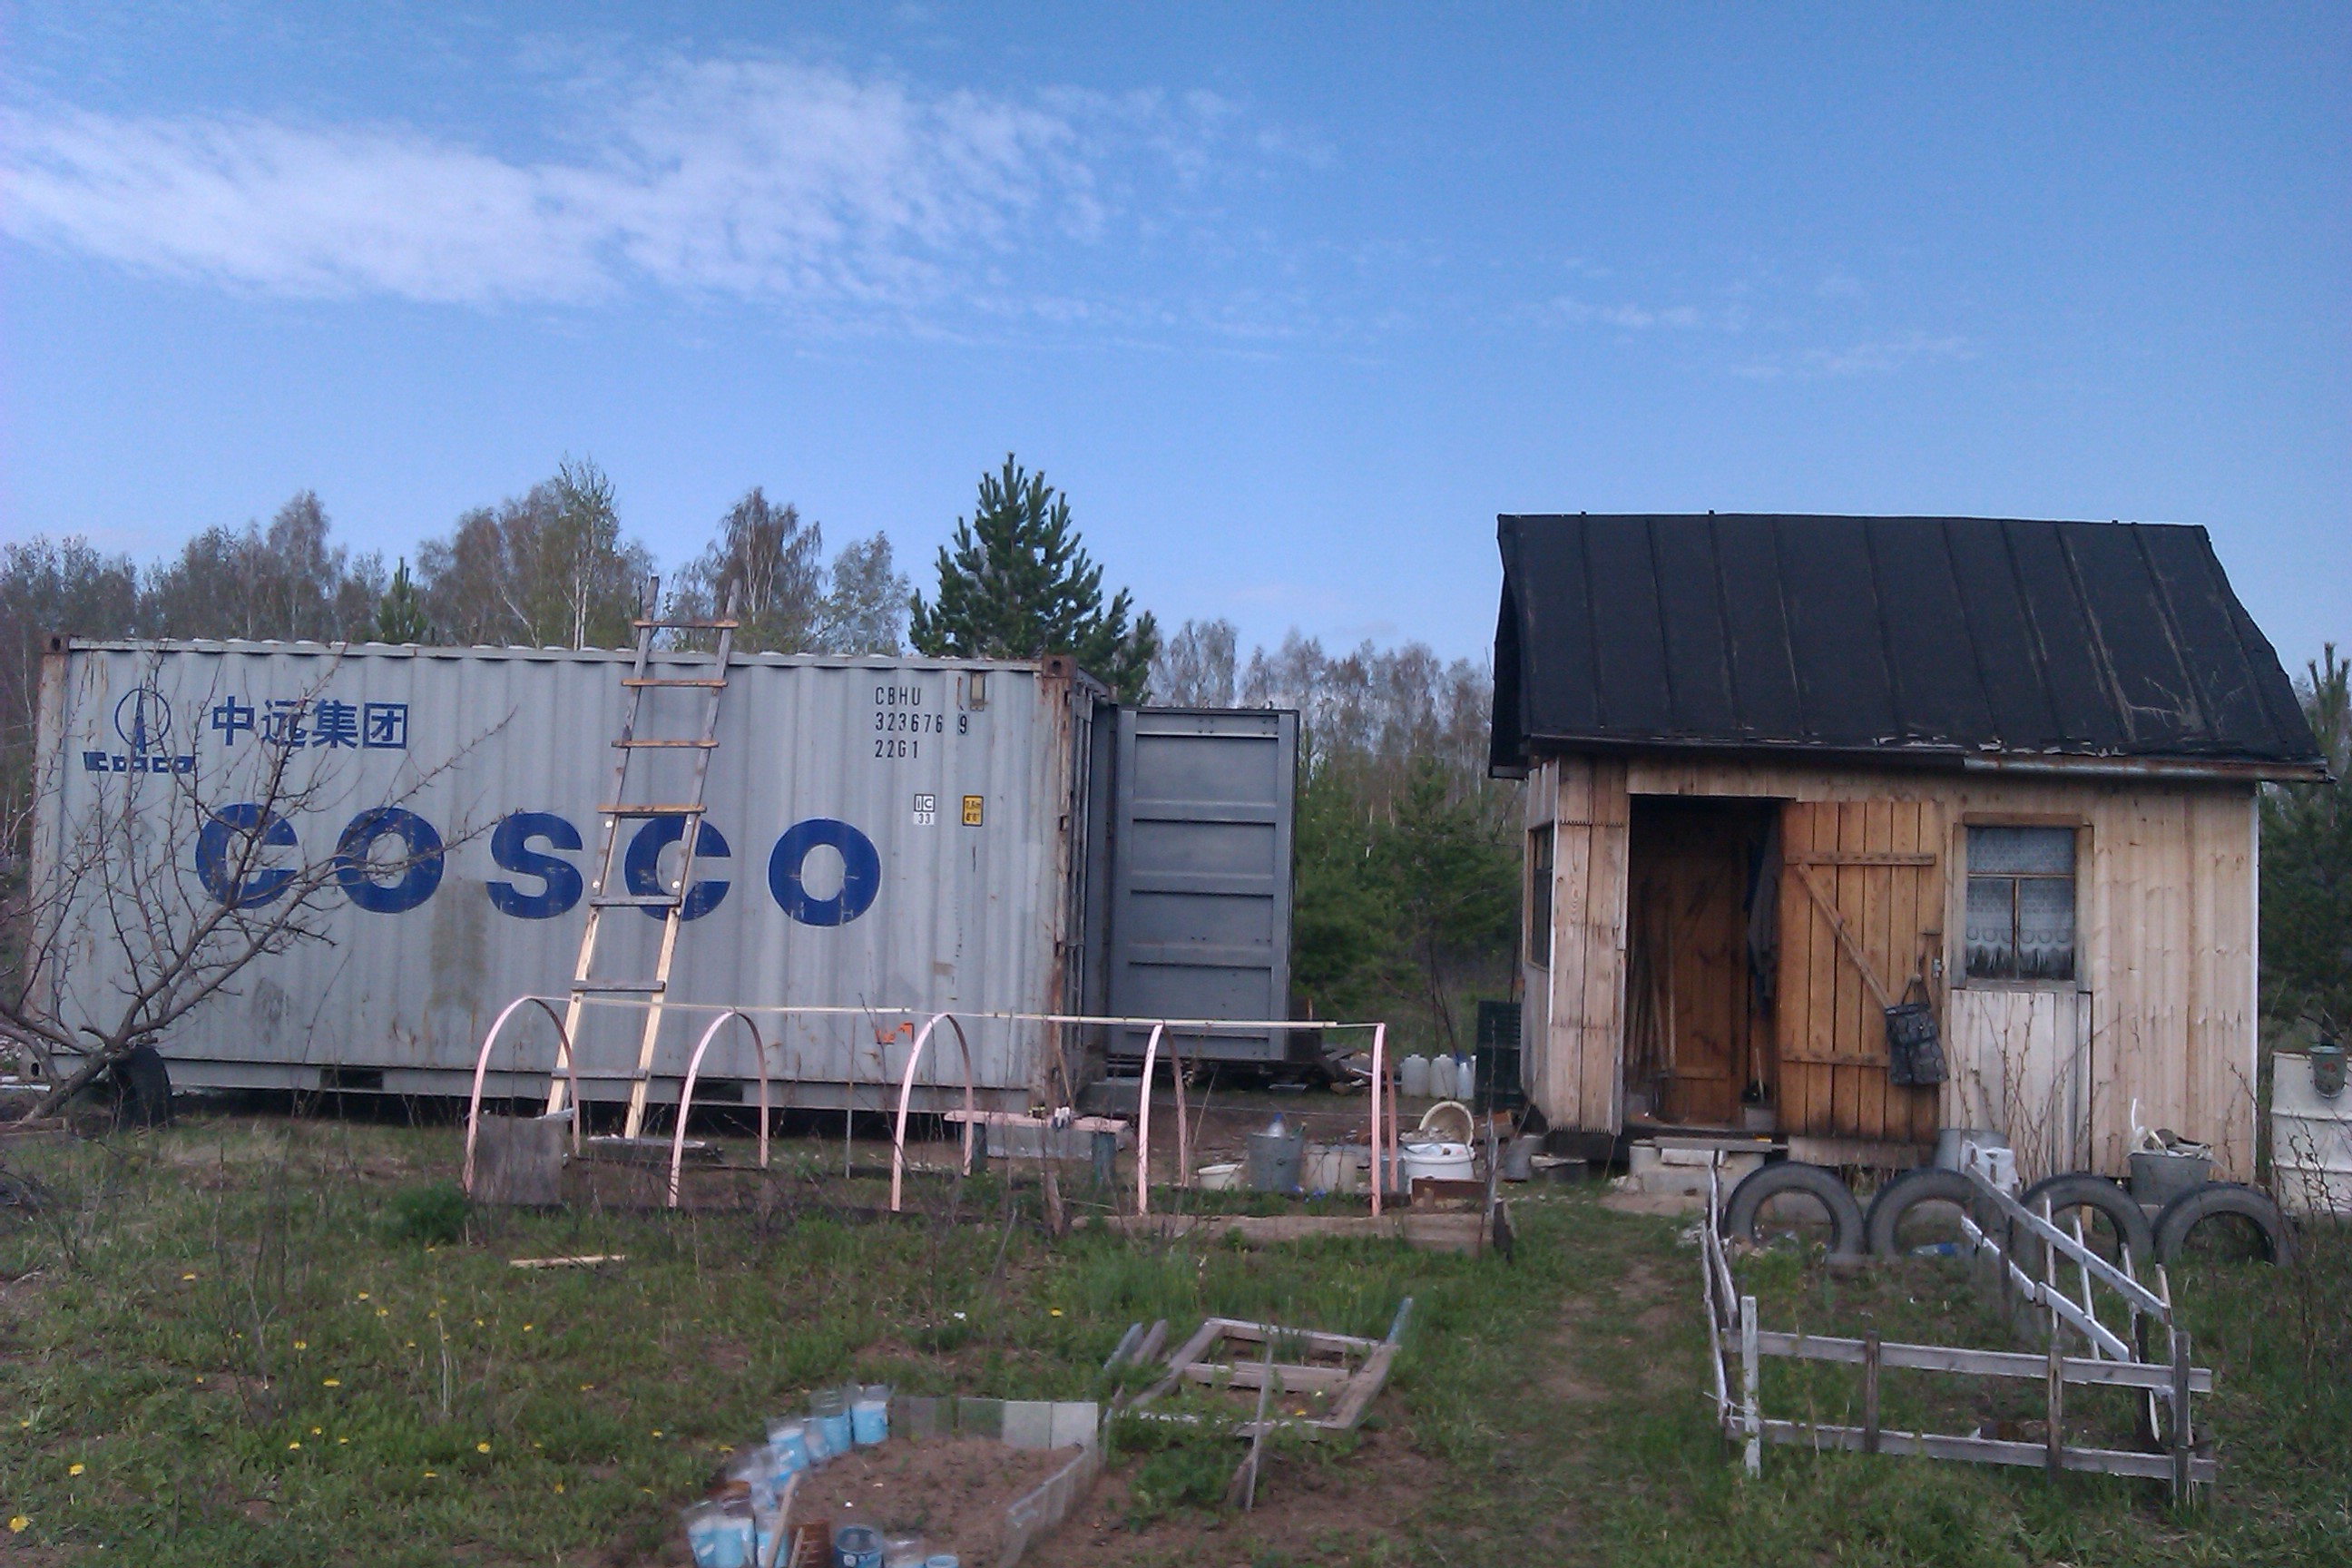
632 902
622 988
649 681
676 808
664 745
655 622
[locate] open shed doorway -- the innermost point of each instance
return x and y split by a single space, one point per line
1701 901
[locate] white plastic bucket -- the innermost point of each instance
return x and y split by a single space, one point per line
1438 1162
1332 1167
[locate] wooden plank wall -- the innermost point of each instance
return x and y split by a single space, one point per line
1574 1078
2166 938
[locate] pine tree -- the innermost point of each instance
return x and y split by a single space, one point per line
1018 584
2306 880
400 613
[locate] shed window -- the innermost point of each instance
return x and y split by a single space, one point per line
2020 921
1539 896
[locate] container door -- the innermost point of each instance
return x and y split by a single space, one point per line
1862 916
1201 875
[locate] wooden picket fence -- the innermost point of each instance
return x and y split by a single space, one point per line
2169 1383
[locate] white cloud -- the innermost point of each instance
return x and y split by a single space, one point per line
1567 312
1880 356
802 184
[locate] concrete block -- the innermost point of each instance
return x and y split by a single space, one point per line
519 1160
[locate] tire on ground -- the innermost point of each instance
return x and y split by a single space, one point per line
1930 1183
2085 1189
142 1089
1787 1177
2215 1200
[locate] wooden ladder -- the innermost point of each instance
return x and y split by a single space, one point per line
610 889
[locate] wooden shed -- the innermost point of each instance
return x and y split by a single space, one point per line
1786 772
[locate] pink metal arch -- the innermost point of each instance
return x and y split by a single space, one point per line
1143 1125
686 1093
481 1068
1382 1170
907 1095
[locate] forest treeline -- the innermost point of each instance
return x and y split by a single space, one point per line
550 567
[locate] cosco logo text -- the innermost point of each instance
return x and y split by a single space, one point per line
388 860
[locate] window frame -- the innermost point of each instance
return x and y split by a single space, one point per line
1537 909
1965 976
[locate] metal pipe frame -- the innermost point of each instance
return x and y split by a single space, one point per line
1382 1093
907 1095
686 1093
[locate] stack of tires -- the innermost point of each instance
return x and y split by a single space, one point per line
1787 1199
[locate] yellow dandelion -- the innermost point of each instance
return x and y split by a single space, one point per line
725 1448
1053 1311
343 1441
431 1475
526 1327
477 1322
76 1468
481 1448
316 1432
18 1523
331 1383
408 1344
558 1489
363 1296
383 1311
657 1433
187 1276
583 1388
301 1344
294 1444
28 1422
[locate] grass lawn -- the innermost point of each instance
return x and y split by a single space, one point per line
247 1341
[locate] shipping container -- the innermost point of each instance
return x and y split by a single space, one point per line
890 837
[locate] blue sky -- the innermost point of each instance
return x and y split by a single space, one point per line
1290 300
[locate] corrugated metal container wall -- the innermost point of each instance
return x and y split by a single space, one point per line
966 780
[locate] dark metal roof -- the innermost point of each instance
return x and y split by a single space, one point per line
1928 636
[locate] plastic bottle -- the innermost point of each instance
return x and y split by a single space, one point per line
1414 1076
856 1544
1465 1080
870 1414
828 1428
787 1446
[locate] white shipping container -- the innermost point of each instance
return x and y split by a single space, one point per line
897 836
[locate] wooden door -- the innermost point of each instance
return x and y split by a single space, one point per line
1876 868
1690 1008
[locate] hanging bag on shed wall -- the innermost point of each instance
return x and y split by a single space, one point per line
1915 1050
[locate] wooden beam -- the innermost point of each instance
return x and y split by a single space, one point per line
1988 1451
1845 936
1292 1377
2154 1375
